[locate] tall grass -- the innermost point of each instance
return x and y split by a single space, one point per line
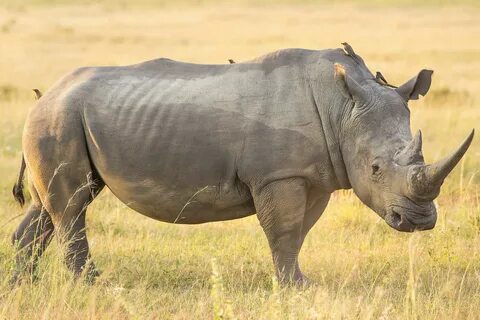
151 270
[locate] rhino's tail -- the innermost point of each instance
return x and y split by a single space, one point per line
18 187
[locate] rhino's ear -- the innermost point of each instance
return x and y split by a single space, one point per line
416 86
347 85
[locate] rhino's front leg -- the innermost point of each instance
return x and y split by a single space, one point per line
280 208
315 206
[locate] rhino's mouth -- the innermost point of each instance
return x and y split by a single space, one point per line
398 219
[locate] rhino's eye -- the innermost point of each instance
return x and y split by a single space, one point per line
375 168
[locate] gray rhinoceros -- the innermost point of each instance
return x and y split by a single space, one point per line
191 143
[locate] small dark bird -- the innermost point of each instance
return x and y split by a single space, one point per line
381 80
349 50
231 61
38 94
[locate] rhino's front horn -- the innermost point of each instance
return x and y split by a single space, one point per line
425 180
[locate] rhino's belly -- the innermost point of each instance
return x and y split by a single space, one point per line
186 205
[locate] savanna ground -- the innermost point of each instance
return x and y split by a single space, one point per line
152 270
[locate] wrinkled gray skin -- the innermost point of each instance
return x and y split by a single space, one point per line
188 143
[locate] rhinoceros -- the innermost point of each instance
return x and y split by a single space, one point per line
193 143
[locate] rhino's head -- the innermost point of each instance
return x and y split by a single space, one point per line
384 162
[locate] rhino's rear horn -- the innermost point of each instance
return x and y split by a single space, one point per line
412 153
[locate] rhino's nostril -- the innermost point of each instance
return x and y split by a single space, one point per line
396 218
401 223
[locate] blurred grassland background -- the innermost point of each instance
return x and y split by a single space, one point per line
152 270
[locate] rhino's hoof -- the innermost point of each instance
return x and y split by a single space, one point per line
15 281
305 282
298 281
301 282
91 276
18 277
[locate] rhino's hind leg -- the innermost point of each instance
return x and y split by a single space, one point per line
77 256
31 239
281 209
66 183
74 191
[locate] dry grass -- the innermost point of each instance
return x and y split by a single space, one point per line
154 270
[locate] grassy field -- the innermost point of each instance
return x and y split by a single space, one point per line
152 270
